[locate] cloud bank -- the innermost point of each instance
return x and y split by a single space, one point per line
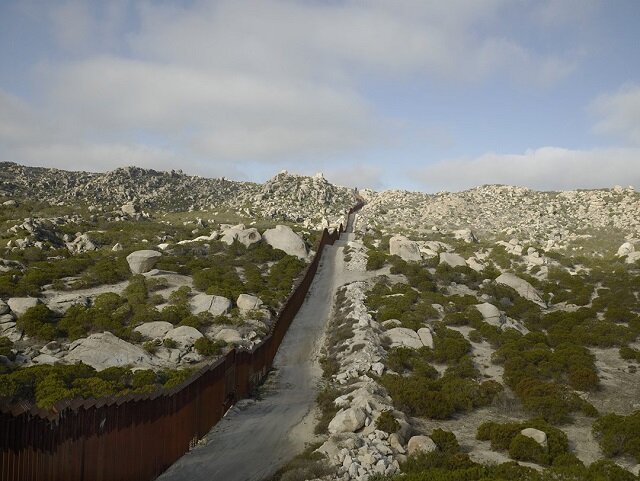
547 168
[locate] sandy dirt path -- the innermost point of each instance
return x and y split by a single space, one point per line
257 437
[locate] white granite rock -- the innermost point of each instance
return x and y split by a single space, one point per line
406 249
143 261
282 237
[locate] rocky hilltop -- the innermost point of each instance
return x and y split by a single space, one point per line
286 196
509 210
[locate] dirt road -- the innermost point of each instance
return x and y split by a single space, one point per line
258 437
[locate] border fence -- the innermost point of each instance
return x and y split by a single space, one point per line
138 436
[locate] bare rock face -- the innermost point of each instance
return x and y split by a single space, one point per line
401 336
216 305
404 248
20 305
143 261
522 287
347 421
104 350
4 309
283 238
453 260
421 444
59 304
538 436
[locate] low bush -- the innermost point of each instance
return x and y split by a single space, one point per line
507 437
206 347
619 435
387 423
38 322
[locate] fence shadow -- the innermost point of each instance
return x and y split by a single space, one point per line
138 436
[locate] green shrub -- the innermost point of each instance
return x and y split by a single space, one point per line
619 435
169 343
445 440
523 448
207 347
152 346
5 347
629 354
375 259
38 322
387 422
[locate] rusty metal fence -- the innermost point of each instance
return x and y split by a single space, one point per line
138 436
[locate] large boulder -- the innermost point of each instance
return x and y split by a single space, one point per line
143 261
230 336
247 302
490 313
626 249
283 238
453 260
155 329
104 350
538 436
404 248
184 336
522 287
4 308
20 305
347 421
421 444
216 305
401 336
244 236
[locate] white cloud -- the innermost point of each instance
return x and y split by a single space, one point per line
242 81
546 168
619 113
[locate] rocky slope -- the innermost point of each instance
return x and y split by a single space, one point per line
506 209
286 196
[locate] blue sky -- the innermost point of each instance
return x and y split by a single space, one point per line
417 94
